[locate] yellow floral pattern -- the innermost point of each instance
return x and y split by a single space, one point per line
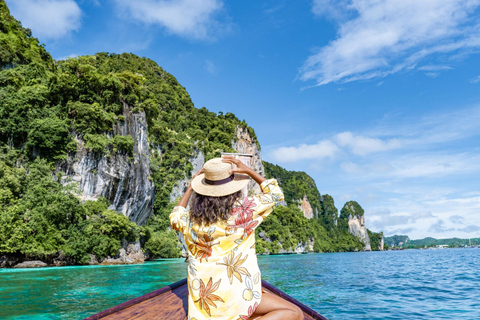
224 280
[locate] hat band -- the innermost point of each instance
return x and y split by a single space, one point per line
219 182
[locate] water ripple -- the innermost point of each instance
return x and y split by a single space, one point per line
410 284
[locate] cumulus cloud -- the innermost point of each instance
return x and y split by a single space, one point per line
386 219
329 148
48 19
193 19
439 227
378 38
434 165
362 145
470 229
332 9
403 231
456 219
322 149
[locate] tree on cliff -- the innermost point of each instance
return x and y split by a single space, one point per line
351 208
330 212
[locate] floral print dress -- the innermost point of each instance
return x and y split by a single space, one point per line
224 280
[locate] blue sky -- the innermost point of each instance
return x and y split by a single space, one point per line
379 101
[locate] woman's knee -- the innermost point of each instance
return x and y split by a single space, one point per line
298 313
271 303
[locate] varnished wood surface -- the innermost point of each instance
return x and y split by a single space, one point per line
171 303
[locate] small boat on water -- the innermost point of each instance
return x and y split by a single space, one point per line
171 302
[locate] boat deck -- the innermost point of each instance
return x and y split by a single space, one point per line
171 303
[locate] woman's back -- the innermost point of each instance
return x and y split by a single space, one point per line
223 276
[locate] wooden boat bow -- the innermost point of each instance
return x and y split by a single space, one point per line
171 302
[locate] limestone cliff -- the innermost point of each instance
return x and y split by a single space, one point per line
179 189
123 180
306 207
245 143
352 219
356 226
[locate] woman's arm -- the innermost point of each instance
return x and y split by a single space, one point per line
242 168
186 196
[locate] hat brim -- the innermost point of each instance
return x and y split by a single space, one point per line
237 184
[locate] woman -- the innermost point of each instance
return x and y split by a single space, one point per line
223 276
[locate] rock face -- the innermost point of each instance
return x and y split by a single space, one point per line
179 189
132 255
31 264
306 208
7 261
125 182
246 144
382 244
356 226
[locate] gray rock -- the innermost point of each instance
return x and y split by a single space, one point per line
93 260
179 189
31 264
132 255
124 181
8 261
246 144
356 226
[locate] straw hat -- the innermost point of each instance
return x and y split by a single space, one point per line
216 180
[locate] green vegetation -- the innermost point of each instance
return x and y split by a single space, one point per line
17 46
394 241
351 208
375 239
296 185
49 108
288 226
46 105
39 218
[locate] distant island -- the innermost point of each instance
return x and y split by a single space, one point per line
404 242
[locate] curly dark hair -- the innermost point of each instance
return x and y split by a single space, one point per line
207 210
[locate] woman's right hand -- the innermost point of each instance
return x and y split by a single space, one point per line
240 166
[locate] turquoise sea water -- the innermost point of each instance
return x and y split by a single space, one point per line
410 284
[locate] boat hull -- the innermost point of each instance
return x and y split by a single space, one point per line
171 302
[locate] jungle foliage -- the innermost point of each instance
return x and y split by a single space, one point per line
50 108
289 227
39 217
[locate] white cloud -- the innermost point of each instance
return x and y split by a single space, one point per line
456 219
186 18
470 229
322 149
362 145
435 128
475 80
67 57
332 9
48 19
385 37
434 165
439 227
328 148
406 172
434 68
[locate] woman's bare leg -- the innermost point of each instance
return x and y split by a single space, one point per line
273 307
